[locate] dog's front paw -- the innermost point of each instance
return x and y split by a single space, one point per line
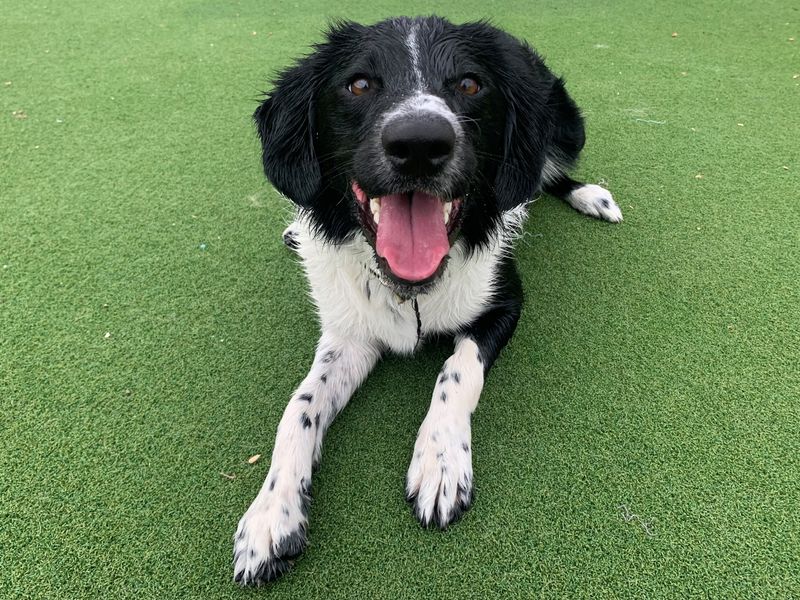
270 534
595 201
439 482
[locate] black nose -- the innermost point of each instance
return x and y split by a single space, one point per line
419 145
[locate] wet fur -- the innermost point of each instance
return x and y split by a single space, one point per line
518 137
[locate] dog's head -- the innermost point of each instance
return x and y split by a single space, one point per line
416 132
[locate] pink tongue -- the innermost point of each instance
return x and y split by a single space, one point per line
412 236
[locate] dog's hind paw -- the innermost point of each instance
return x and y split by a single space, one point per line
595 201
291 237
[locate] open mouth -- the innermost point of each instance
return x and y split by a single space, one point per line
410 231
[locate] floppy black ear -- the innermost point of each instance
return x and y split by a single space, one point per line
285 123
526 89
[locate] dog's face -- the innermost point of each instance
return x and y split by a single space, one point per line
416 132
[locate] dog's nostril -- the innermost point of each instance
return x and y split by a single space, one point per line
420 144
398 149
439 149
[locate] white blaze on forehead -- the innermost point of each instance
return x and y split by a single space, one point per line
413 50
420 102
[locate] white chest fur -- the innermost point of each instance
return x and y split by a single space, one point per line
352 301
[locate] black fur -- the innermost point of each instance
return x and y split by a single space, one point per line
318 138
516 133
494 328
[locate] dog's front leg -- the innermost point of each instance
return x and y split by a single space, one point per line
273 530
439 481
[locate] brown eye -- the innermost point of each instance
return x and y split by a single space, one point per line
359 86
468 86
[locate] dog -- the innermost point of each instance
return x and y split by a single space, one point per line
411 149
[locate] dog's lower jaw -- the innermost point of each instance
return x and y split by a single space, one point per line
411 233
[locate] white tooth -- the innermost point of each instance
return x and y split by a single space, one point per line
375 207
447 208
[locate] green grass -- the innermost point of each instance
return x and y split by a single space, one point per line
655 366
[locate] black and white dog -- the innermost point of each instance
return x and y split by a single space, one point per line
411 148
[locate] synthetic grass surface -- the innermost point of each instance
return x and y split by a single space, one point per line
152 326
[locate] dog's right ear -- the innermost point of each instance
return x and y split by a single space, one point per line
285 121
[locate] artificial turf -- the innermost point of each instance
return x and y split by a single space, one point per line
152 326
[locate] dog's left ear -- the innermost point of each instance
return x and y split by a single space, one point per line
286 125
526 88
